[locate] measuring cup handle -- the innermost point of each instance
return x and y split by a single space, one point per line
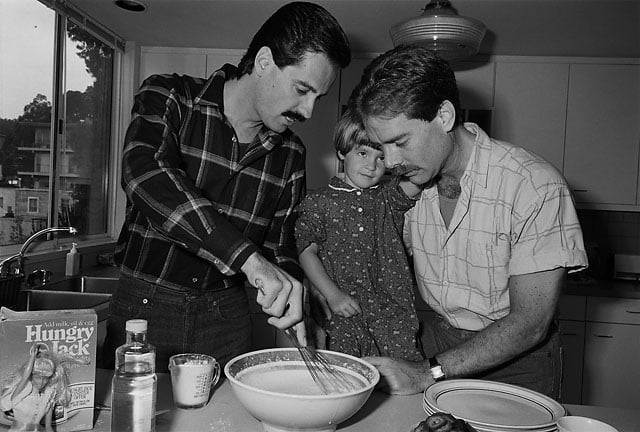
216 374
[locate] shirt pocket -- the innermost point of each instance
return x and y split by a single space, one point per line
484 268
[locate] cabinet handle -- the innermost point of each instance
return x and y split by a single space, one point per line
569 334
633 312
604 336
580 190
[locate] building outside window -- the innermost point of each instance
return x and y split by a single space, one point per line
55 119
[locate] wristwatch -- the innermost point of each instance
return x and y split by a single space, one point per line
436 369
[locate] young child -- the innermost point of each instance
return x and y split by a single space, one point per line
349 240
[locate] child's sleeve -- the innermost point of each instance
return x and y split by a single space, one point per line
310 225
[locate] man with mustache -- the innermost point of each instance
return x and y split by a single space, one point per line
213 174
492 235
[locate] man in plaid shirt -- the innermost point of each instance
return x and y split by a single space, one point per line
492 235
213 174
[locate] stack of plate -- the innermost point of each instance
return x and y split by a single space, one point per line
490 406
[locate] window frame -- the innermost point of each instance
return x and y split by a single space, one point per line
114 196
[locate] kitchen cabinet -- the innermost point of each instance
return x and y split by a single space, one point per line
571 322
530 107
183 62
610 374
603 133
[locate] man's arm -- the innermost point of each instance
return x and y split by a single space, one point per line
155 179
533 298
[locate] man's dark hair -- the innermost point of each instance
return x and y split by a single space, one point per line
410 80
294 30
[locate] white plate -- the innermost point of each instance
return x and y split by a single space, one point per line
494 406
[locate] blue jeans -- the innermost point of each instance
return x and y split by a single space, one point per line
538 369
206 322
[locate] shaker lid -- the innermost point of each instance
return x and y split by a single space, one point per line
136 325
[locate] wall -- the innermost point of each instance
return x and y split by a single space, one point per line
606 233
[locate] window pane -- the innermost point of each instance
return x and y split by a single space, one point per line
83 156
26 86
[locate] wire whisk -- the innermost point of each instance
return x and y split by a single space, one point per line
328 378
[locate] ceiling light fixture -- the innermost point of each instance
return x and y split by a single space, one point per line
131 5
440 28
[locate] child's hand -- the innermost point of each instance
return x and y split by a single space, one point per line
344 305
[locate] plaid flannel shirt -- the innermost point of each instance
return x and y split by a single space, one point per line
197 205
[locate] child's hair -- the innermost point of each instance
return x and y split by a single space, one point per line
350 133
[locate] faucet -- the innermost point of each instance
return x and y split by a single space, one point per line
19 269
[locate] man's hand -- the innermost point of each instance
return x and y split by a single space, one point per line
401 377
279 294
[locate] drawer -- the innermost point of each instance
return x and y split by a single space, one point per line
613 310
572 307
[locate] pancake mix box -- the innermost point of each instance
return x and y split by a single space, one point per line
47 369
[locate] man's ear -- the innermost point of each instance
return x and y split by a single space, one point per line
447 114
263 59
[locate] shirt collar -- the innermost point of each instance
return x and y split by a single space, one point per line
212 92
339 184
478 167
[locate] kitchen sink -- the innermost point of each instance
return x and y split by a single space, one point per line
83 292
82 284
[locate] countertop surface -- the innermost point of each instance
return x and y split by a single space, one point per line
381 413
587 287
603 288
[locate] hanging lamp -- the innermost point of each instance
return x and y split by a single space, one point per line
440 28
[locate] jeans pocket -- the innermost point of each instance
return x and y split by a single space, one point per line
233 305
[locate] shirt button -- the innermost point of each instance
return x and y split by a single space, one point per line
358 193
361 229
145 301
220 211
194 280
359 209
234 139
446 282
215 261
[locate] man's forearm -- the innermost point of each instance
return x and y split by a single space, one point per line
500 342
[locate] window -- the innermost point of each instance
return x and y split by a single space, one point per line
32 205
55 118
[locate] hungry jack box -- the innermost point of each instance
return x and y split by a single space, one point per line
47 369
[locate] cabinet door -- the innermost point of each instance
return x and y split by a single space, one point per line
603 133
475 84
572 336
530 107
611 374
167 62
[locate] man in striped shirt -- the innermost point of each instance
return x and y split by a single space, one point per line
492 235
213 174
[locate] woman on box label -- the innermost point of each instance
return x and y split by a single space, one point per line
32 390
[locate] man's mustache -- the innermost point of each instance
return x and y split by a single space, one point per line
294 115
400 170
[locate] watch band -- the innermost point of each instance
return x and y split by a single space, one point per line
436 369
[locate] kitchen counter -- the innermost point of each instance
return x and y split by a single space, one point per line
381 413
603 288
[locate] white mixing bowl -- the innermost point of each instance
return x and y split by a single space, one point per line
274 387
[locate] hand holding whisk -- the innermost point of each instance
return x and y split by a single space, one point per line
328 378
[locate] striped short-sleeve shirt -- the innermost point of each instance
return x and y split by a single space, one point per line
515 215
